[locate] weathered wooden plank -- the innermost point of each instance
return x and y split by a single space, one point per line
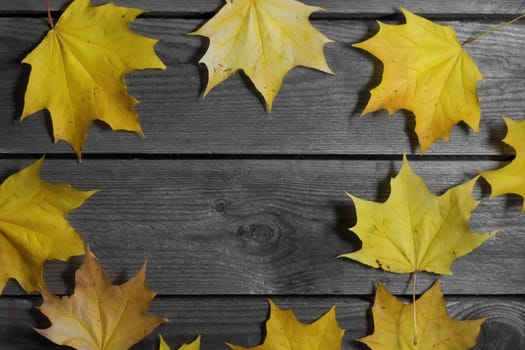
271 226
221 235
497 55
349 7
240 320
232 120
314 113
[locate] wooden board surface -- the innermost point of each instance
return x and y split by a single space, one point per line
232 119
272 226
231 206
347 7
240 320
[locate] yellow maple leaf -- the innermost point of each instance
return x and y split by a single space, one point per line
511 177
77 71
265 39
415 230
100 315
426 71
394 327
34 227
194 345
285 332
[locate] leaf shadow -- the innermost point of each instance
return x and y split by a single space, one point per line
363 94
121 277
21 83
497 132
68 275
358 345
346 215
484 187
345 219
250 86
19 91
374 80
201 51
19 96
40 321
369 321
10 171
262 325
383 186
203 74
48 122
101 125
18 99
203 70
513 203
410 129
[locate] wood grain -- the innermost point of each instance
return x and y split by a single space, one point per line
232 119
269 226
347 7
230 206
240 320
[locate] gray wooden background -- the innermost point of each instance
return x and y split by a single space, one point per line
231 207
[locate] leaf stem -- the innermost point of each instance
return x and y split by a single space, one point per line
49 15
493 29
414 281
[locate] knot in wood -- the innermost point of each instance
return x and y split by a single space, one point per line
260 233
220 205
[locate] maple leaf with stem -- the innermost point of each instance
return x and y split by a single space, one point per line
285 332
263 38
34 226
428 72
78 70
415 230
194 345
511 177
100 315
394 327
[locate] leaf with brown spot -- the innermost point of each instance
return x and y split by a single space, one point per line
416 230
428 72
394 327
100 315
78 70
